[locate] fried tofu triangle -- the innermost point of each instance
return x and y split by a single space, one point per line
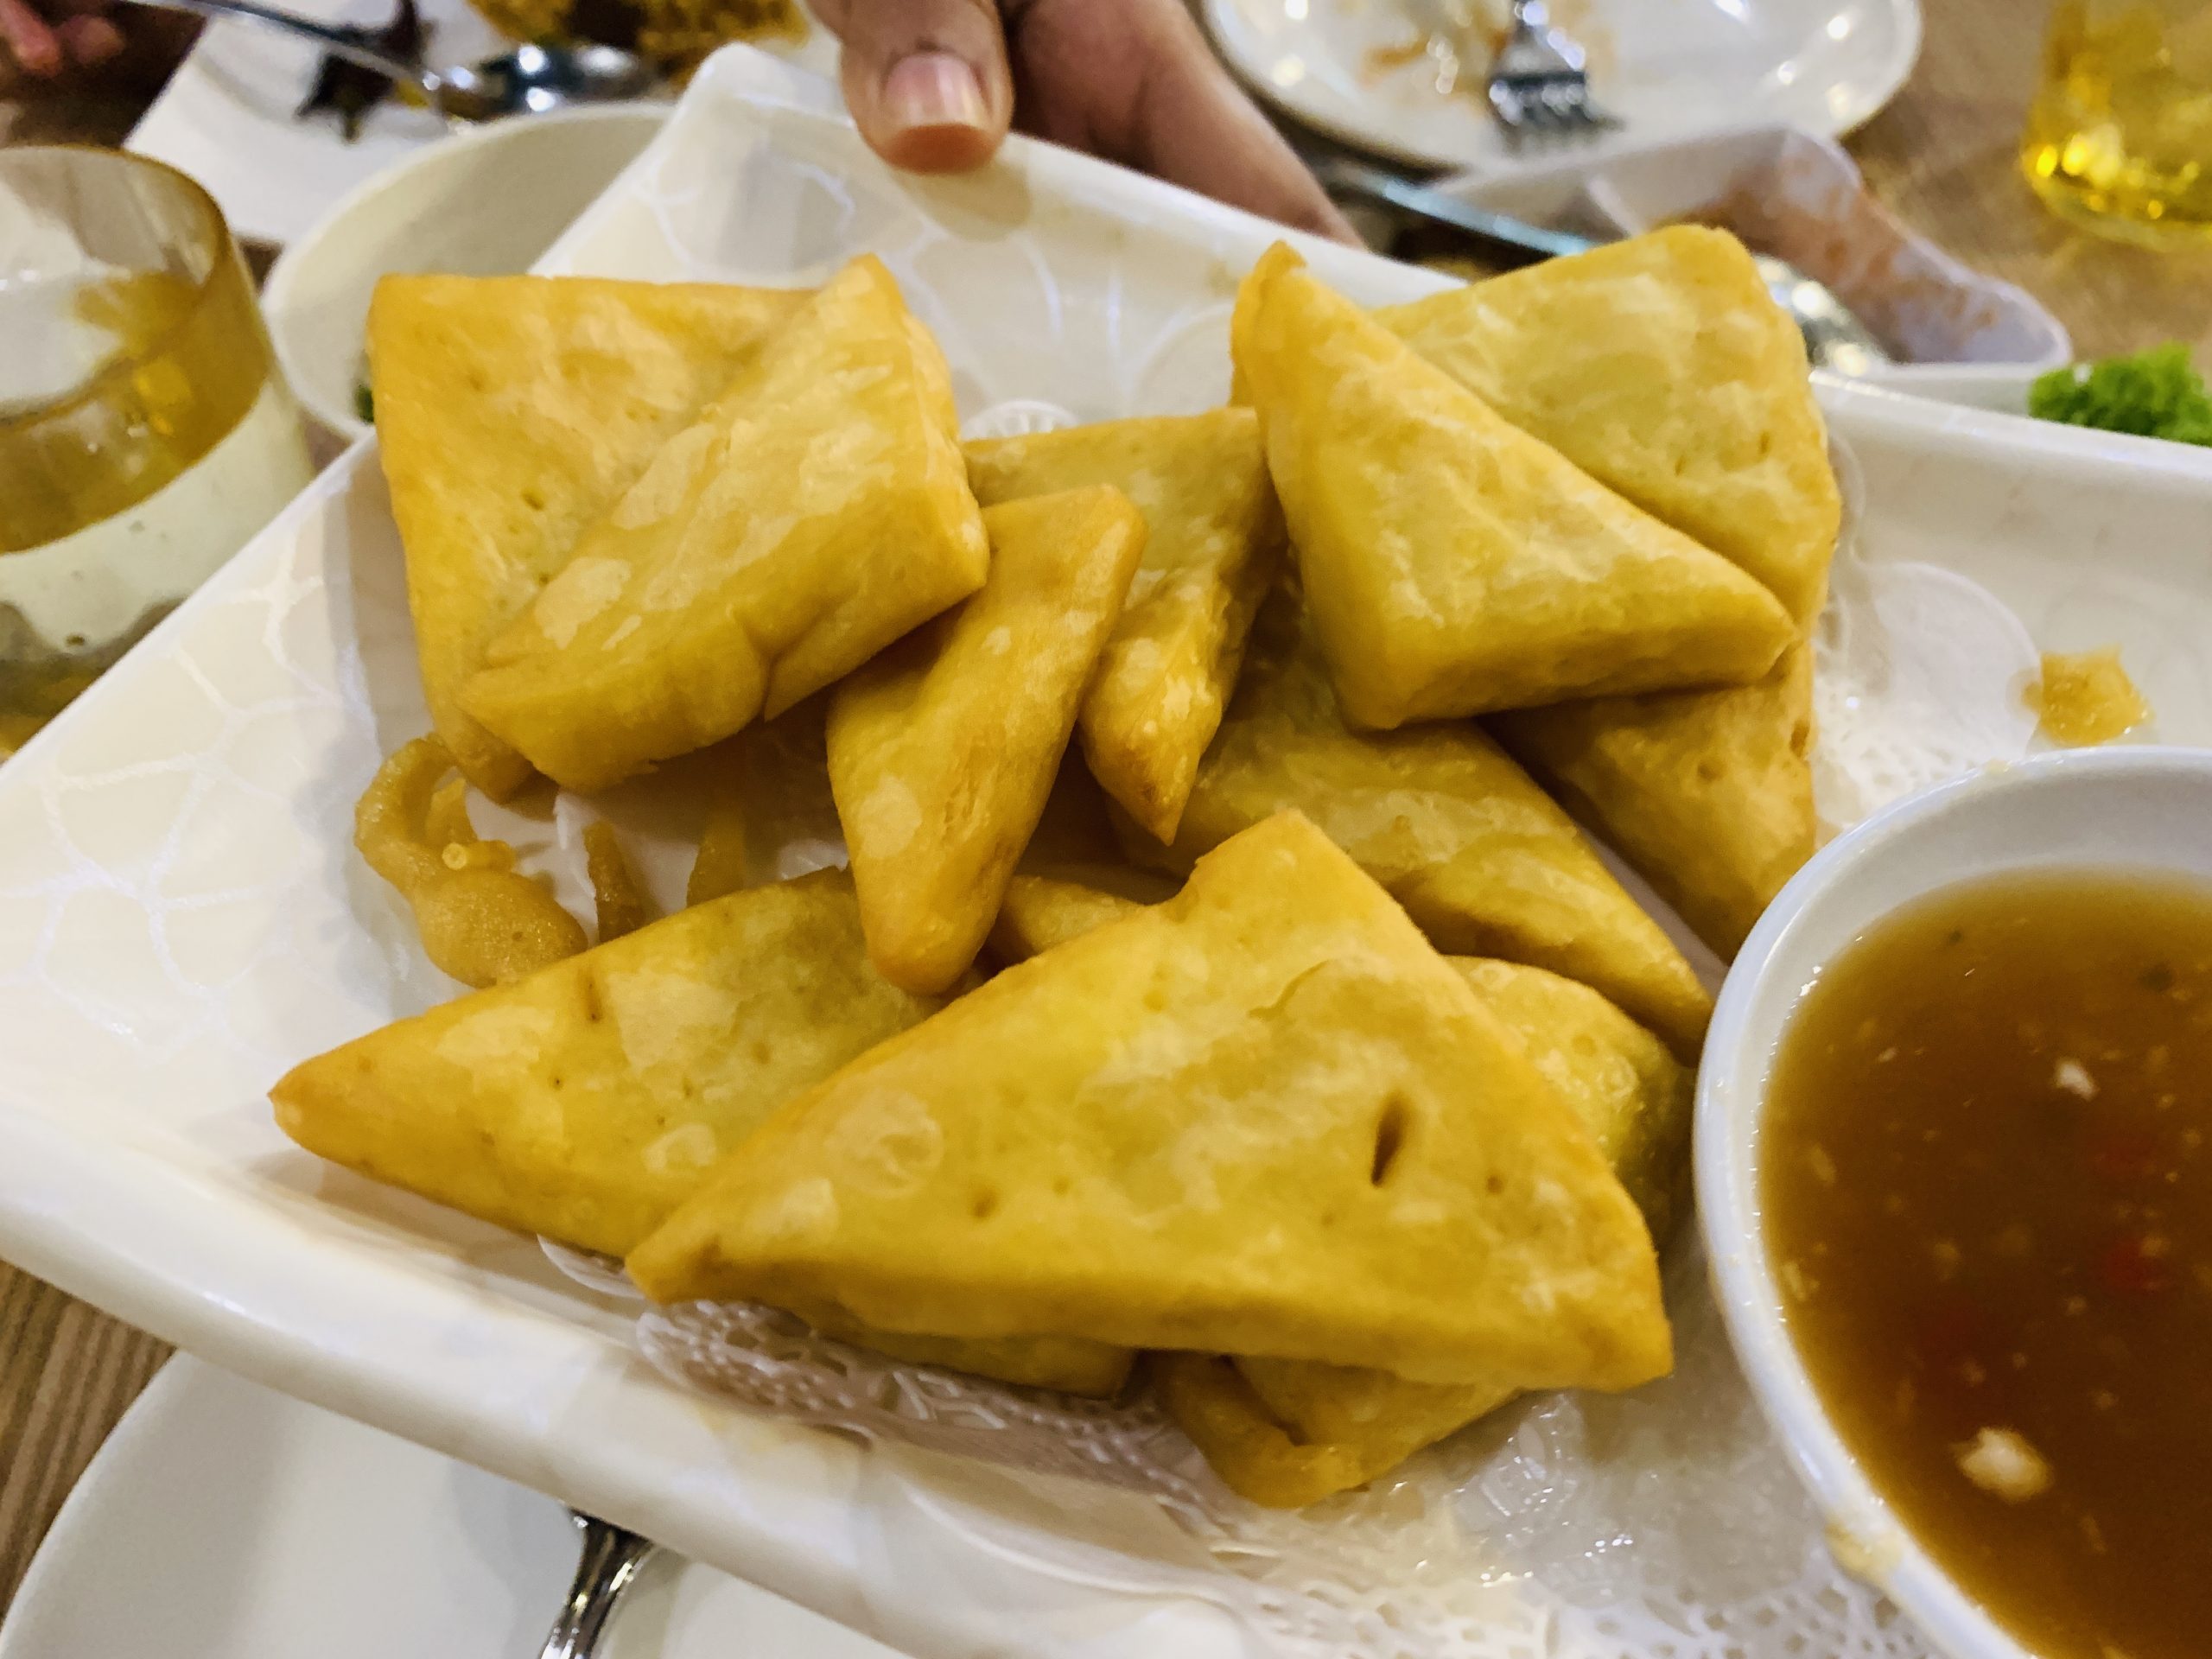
1708 794
1042 911
815 511
1454 564
512 412
1264 1117
1286 1433
588 1101
1215 540
944 749
1662 367
1482 858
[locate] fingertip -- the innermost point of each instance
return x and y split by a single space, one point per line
931 115
28 40
90 41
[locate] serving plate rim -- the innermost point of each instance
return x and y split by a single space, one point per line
92 1203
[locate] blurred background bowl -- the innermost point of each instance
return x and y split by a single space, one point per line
484 203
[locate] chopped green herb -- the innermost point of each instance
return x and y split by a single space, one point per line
2154 394
364 402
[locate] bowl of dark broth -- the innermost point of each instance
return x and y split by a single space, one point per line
1954 1169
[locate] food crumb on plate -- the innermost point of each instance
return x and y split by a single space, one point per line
2086 698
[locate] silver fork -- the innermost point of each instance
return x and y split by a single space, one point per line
608 1563
1540 85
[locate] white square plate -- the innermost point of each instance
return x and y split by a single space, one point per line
182 915
229 115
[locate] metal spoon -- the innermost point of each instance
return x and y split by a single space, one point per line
610 1560
1834 339
530 79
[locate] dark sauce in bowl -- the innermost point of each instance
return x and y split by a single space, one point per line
1987 1194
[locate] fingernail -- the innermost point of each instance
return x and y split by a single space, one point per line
933 89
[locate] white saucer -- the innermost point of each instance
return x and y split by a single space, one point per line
221 1521
1667 67
227 115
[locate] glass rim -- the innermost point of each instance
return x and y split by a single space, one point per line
213 229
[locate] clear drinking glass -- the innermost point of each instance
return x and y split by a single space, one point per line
145 434
2120 137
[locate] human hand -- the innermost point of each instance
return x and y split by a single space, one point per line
45 37
81 46
934 85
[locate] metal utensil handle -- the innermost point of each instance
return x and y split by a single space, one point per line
338 43
1433 205
610 1560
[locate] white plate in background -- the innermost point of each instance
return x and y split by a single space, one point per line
221 1521
1667 67
226 117
486 202
181 914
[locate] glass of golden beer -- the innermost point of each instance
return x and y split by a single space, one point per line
2119 139
145 435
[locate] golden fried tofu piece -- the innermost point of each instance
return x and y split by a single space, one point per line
1253 1451
1264 1117
1040 912
1288 1433
1363 1423
618 898
1215 538
944 749
1480 857
1631 1092
815 511
1708 794
512 413
1453 563
586 1102
718 868
480 920
1662 367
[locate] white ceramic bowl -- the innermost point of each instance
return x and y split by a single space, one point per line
2111 809
484 203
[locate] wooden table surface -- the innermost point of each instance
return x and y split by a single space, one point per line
1941 155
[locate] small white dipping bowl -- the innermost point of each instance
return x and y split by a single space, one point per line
2109 809
484 203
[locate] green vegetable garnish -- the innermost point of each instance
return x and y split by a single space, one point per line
364 404
2154 394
